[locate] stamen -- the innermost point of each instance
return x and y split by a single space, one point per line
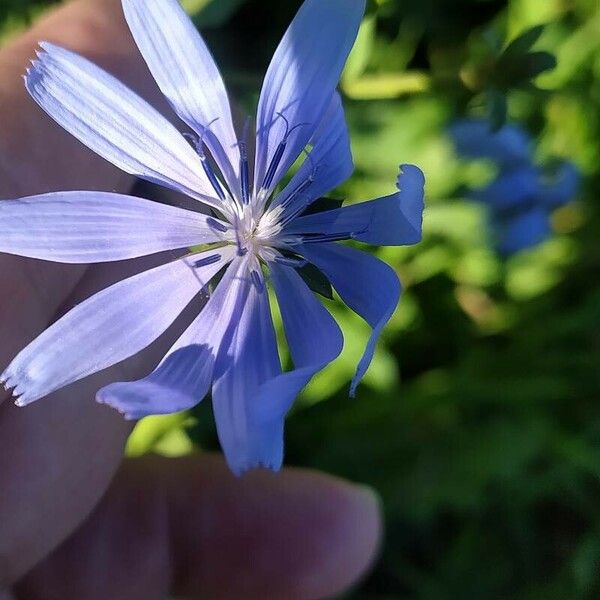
212 177
268 180
210 173
244 168
270 175
241 251
301 206
258 282
290 261
300 189
328 237
208 260
216 225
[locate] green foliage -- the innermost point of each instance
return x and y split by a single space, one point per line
316 280
479 420
15 15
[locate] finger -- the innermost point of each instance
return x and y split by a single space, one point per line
59 455
61 452
189 528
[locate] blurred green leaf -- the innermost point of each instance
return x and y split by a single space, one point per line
497 108
162 434
322 205
586 562
211 13
386 85
316 280
524 42
358 61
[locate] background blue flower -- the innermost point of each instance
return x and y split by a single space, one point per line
521 197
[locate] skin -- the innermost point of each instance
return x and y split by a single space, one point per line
75 520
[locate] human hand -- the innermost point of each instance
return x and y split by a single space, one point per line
151 527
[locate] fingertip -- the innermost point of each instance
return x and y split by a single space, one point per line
297 534
350 540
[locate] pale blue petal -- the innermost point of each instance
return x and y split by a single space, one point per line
183 377
474 138
366 284
313 337
395 220
563 187
511 190
114 122
178 383
523 231
247 358
330 162
91 227
107 328
187 75
302 78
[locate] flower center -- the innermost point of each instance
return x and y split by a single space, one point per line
251 218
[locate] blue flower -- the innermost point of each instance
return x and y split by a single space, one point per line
252 238
521 198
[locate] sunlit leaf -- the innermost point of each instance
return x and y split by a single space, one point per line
387 85
358 60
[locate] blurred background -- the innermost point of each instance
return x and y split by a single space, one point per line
479 420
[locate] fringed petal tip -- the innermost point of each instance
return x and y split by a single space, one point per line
109 400
34 77
42 53
20 399
241 470
116 123
32 74
9 386
10 382
139 399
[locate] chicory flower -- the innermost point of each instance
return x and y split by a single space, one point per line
522 196
252 237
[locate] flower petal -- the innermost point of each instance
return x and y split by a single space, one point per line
511 189
474 138
187 75
366 284
183 377
314 339
302 77
564 187
330 162
247 358
395 220
525 230
115 123
107 328
90 227
178 383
